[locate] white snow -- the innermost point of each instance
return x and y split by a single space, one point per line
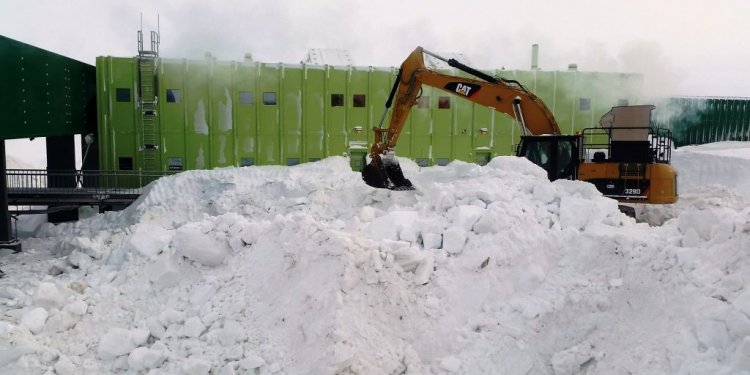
305 269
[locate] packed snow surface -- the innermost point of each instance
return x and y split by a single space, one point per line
307 270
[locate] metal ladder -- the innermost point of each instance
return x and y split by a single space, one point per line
148 101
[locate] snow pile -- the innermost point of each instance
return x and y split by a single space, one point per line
305 269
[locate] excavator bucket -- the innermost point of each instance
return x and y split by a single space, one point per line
386 174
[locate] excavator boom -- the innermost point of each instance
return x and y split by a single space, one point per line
509 97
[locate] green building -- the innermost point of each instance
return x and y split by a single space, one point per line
159 114
699 120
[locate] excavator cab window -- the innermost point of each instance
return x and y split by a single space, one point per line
558 155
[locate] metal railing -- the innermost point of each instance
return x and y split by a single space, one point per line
74 181
43 187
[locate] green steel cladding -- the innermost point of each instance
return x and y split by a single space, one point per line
696 120
44 94
215 114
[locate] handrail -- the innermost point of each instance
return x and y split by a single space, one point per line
61 181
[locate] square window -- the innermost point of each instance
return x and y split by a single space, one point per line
584 104
423 102
125 163
246 162
292 161
174 164
269 98
443 161
337 100
174 95
444 102
122 94
358 100
246 97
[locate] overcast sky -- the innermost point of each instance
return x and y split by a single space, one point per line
686 47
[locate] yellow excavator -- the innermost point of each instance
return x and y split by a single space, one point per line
625 158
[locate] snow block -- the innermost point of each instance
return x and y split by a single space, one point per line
48 296
454 240
34 320
119 341
144 359
190 242
195 366
390 225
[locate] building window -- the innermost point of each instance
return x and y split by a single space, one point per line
174 164
622 102
269 98
444 102
246 162
174 96
122 94
246 97
584 104
125 164
337 100
358 100
423 102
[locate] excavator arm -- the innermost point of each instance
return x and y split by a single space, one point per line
506 96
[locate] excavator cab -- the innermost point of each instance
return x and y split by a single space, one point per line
556 154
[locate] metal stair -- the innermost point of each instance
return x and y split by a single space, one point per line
148 101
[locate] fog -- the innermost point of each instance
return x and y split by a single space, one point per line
683 48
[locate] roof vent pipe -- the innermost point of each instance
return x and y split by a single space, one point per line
534 56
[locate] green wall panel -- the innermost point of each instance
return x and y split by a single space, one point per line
269 130
221 121
198 142
172 114
335 120
291 115
246 113
314 105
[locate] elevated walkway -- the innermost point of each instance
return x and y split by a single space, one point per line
30 190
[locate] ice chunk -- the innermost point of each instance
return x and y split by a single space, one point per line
64 366
77 307
450 364
195 366
390 225
48 296
464 216
193 327
34 320
149 240
454 239
114 343
252 361
119 341
143 359
712 334
201 294
200 247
